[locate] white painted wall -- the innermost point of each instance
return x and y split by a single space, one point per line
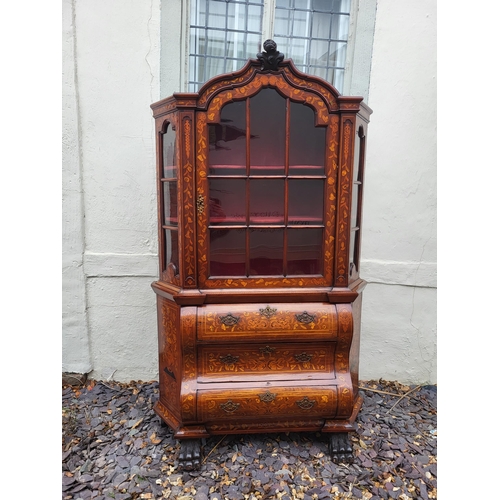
399 234
111 63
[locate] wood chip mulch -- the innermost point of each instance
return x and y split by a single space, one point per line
113 447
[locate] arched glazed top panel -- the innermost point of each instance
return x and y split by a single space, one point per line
275 81
287 79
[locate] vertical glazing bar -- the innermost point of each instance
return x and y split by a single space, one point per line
286 201
247 189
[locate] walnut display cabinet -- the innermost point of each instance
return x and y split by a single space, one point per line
260 184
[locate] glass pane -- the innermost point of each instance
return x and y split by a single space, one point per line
340 27
169 153
227 252
217 14
305 204
284 3
236 16
354 205
282 24
304 253
307 142
227 201
320 25
267 201
235 46
170 203
337 54
254 45
352 247
301 23
319 53
172 249
198 12
216 42
267 130
266 252
254 19
227 141
198 42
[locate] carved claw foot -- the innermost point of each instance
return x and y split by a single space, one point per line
190 454
340 448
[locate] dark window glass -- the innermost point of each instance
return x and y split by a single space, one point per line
227 252
267 201
227 141
267 129
227 201
307 142
304 252
169 153
266 252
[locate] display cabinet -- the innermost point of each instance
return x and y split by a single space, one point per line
260 188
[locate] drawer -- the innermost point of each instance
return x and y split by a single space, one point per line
272 360
265 322
280 401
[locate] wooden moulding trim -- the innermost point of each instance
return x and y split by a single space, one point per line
252 427
192 432
181 297
166 415
344 425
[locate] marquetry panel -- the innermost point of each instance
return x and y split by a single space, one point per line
278 359
260 402
243 322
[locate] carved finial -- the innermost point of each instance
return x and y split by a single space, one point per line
271 57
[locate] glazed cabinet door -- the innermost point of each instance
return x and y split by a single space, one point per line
266 190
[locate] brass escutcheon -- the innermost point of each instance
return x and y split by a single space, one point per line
229 359
229 406
267 350
305 317
305 403
267 397
229 320
303 357
200 204
268 312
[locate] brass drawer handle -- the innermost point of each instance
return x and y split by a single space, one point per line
268 312
267 397
229 359
229 406
305 317
229 320
267 350
303 357
305 403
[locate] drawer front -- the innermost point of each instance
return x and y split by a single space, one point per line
267 402
246 322
222 360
